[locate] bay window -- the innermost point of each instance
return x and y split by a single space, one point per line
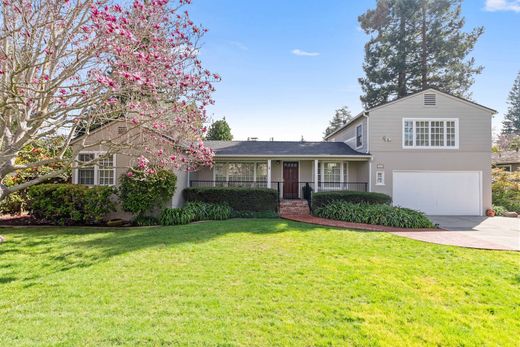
430 133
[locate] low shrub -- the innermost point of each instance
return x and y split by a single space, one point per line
378 214
14 204
253 214
499 210
206 211
144 221
66 204
176 216
321 199
506 189
140 192
239 199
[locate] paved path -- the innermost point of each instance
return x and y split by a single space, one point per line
497 233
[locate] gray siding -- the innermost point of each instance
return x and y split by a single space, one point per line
473 153
348 135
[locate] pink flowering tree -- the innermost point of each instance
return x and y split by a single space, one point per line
70 66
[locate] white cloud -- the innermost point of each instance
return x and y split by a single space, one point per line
302 53
502 5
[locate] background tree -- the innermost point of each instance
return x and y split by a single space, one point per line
511 124
341 116
413 45
219 131
67 66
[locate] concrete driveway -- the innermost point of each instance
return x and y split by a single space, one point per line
499 233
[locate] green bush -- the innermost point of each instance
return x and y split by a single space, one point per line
254 214
506 189
176 216
14 204
206 211
65 204
499 210
143 221
321 199
378 214
141 192
239 199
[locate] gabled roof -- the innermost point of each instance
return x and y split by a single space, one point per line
281 148
506 157
387 103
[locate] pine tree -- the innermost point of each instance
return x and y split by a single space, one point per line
416 44
341 116
511 124
219 131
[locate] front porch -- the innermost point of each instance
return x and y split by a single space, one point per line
293 178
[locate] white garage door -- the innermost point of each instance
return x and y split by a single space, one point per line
439 192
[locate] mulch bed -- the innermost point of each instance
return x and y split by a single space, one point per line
348 225
24 219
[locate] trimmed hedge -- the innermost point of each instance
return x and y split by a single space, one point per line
321 199
66 204
239 199
378 214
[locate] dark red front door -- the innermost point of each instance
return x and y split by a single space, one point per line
290 180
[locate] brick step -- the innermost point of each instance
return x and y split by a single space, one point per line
294 207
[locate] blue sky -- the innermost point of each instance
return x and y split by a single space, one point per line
287 65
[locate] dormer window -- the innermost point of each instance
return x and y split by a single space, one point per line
430 100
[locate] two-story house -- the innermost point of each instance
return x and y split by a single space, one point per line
430 151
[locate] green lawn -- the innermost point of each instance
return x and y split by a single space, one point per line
251 283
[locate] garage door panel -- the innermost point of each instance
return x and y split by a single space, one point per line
438 192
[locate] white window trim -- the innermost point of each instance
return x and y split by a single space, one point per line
226 163
355 137
382 183
322 174
504 166
414 120
97 154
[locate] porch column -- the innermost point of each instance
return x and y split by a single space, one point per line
316 168
269 173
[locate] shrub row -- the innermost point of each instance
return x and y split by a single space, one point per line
378 214
67 204
195 211
321 199
239 199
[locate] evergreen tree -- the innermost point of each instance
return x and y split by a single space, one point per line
219 131
341 116
416 44
511 124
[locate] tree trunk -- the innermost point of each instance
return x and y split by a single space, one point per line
401 81
424 50
3 192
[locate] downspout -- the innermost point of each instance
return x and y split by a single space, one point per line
366 114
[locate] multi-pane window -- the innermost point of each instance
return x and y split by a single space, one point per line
359 135
437 133
100 173
380 178
434 133
408 133
422 134
106 171
86 173
240 173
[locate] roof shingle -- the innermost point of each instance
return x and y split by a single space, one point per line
281 148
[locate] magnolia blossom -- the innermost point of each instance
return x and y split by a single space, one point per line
68 67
